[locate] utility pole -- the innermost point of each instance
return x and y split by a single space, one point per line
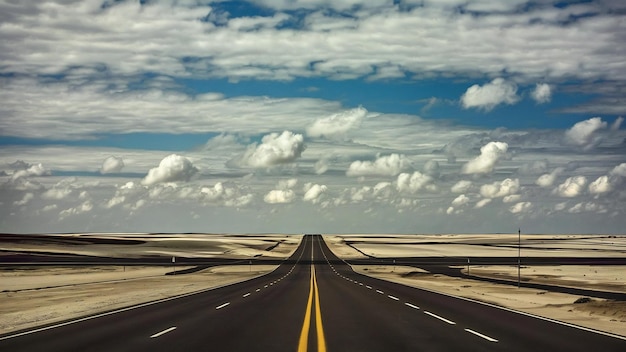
519 252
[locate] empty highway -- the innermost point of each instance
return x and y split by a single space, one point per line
312 302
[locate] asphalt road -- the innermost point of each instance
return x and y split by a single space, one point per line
312 302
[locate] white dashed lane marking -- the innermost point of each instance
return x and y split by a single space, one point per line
481 335
440 318
381 292
411 305
246 295
222 305
394 298
163 332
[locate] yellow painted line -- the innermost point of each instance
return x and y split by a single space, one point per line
303 343
321 341
304 334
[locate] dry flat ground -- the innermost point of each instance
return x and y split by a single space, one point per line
35 295
605 315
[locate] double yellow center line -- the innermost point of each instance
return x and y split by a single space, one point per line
319 328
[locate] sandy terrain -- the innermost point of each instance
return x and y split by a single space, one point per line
28 307
605 278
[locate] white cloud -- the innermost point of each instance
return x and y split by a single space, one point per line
481 203
490 95
412 182
500 189
117 200
321 166
111 165
85 207
338 124
314 192
542 93
617 123
171 169
287 184
512 198
619 170
25 199
490 153
461 186
460 200
521 207
49 207
56 193
31 170
584 133
277 196
431 168
547 180
389 165
572 187
601 185
274 149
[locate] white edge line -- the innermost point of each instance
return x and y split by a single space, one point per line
141 305
394 298
411 305
163 332
222 305
481 335
440 318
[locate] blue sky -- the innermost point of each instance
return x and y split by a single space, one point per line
312 116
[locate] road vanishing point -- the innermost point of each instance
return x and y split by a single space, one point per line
313 301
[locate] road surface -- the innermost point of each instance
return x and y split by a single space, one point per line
312 302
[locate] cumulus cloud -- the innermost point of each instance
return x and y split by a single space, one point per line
25 199
619 170
460 200
277 196
617 123
389 165
313 192
490 95
287 184
431 168
56 193
412 182
321 166
490 153
601 185
461 186
274 149
572 187
171 169
547 180
336 125
481 203
500 189
116 200
585 133
30 170
521 207
227 194
85 207
511 198
111 165
542 93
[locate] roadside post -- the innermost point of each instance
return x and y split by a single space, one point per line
174 264
519 252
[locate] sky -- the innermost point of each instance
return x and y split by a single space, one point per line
312 116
